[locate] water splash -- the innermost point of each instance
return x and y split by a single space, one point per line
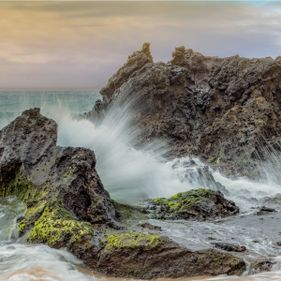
19 262
131 172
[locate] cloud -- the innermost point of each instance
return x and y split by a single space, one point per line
79 44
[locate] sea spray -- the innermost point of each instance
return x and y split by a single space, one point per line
130 174
129 171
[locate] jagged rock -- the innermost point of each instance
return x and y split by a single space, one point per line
199 204
57 184
150 226
224 110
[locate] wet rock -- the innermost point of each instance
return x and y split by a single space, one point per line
230 247
265 211
223 110
147 256
199 204
150 226
56 183
261 266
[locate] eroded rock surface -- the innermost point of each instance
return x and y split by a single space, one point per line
224 110
33 166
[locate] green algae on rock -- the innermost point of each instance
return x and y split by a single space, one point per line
199 204
147 256
132 239
56 227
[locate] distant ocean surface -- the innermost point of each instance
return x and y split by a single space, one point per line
12 103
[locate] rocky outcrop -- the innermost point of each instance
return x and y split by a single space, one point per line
31 165
199 204
67 206
224 110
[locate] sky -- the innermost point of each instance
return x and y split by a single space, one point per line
70 45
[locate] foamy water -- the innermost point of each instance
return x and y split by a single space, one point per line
130 174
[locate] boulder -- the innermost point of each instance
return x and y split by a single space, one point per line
148 256
198 204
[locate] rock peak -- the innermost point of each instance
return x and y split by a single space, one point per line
146 51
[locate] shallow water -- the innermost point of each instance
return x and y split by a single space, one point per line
130 175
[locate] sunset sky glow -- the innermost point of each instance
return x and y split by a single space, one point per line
80 44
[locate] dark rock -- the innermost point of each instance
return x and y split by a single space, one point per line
150 226
224 110
261 266
265 211
230 247
30 162
148 256
199 204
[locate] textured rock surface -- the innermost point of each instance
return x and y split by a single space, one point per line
199 204
224 110
160 257
31 164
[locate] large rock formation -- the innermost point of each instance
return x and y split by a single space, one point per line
67 206
31 164
224 110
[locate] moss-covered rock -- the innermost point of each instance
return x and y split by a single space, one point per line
194 204
147 256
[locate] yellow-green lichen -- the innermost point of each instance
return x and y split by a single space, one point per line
132 239
57 227
182 201
31 215
24 190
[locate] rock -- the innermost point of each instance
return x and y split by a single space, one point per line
57 184
226 111
199 204
148 256
265 211
230 247
67 207
150 226
261 266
